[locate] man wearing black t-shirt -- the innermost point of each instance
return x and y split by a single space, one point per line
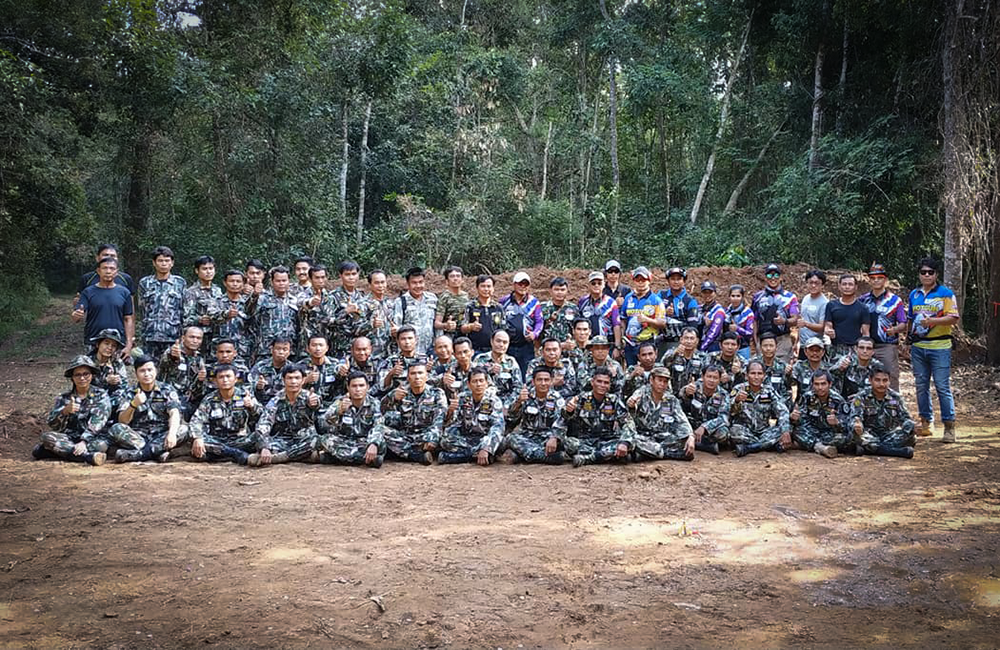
106 305
90 278
849 318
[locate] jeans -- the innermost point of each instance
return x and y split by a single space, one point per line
936 364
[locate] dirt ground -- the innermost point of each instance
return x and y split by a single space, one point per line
767 551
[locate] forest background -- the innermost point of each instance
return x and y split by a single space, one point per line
500 133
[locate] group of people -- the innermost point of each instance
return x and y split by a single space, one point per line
286 364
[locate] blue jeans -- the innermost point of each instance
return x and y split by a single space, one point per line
936 364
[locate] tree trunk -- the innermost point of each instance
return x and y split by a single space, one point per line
545 162
612 110
664 169
992 307
738 191
344 162
817 112
723 121
842 83
137 217
220 151
364 173
953 139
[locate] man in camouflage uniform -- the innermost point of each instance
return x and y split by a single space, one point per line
861 366
662 431
803 369
265 376
638 375
730 362
449 315
416 307
754 405
818 419
537 418
563 373
301 287
274 314
444 354
707 407
352 430
316 310
353 313
161 304
320 370
149 420
600 427
183 367
777 372
383 334
453 377
477 428
415 417
393 370
201 303
286 431
558 314
111 375
220 428
504 373
577 354
236 320
684 362
600 357
359 360
78 419
881 422
225 355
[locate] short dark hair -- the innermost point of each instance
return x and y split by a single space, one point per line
816 273
406 328
540 368
348 265
256 264
712 367
289 368
421 362
414 272
601 370
223 341
930 263
646 344
374 272
581 319
846 276
231 272
822 373
499 331
317 335
451 268
462 340
867 339
558 281
551 339
278 269
106 247
356 374
755 362
693 330
224 367
484 277
302 258
768 336
730 336
478 370
281 339
316 268
162 251
881 370
143 360
202 260
107 259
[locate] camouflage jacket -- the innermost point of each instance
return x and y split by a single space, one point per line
326 385
459 384
634 382
813 411
600 421
506 378
383 344
154 415
183 374
585 371
286 420
370 370
358 423
735 369
223 419
452 306
857 377
273 382
658 419
479 423
348 326
709 412
802 374
315 320
114 366
203 301
271 318
420 314
161 304
759 409
399 381
539 417
239 367
237 328
563 369
683 370
89 421
417 415
880 415
557 322
778 377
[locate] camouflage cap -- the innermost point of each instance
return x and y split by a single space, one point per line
659 371
110 334
80 361
598 340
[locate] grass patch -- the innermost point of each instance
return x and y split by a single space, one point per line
21 306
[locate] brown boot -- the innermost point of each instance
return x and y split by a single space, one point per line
949 432
924 428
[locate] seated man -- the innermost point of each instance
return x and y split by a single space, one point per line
452 377
392 372
359 360
111 373
220 427
414 417
576 349
226 355
352 429
477 429
684 362
802 371
600 428
754 405
265 376
707 408
321 371
860 368
183 367
78 419
817 418
149 419
443 353
729 360
537 415
563 373
638 375
662 430
881 422
286 431
600 357
503 370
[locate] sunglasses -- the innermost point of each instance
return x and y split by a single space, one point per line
927 271
81 375
596 281
613 271
772 275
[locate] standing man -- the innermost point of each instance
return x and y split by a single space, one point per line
201 302
523 319
812 321
303 285
713 319
848 317
161 303
316 309
106 305
450 312
644 316
416 307
681 309
888 321
602 311
353 312
775 310
90 278
274 314
235 323
383 334
558 314
483 316
932 315
612 283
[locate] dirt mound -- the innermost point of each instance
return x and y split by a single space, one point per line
19 432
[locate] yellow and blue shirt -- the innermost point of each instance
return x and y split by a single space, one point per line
939 301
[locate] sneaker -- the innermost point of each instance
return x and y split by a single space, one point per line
949 432
826 451
508 457
97 458
924 428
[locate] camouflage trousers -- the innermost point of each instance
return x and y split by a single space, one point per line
530 447
150 443
234 449
656 445
806 436
456 448
595 449
767 437
347 451
720 435
405 445
61 445
297 449
896 438
156 349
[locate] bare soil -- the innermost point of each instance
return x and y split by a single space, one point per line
771 550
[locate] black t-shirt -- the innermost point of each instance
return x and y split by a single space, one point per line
90 278
847 320
106 309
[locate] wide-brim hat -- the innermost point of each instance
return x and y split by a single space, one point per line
598 340
80 361
110 334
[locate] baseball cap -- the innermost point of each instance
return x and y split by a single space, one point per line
772 268
877 269
676 270
815 342
598 340
612 264
641 271
708 285
521 276
595 275
659 371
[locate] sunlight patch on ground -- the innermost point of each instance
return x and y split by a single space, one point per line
297 555
803 576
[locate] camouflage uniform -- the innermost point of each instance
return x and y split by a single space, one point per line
315 321
476 426
239 366
146 433
400 381
345 437
887 423
203 301
451 306
238 327
557 322
576 356
709 412
534 422
802 374
563 369
86 425
812 426
683 370
223 425
414 421
420 314
274 383
161 303
661 428
751 420
633 384
715 358
370 371
596 428
271 318
507 381
460 383
114 366
288 429
347 327
383 344
326 385
183 374
585 372
857 377
777 377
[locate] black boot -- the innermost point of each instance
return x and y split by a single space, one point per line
378 461
899 452
557 458
238 456
751 448
41 453
453 457
710 447
422 457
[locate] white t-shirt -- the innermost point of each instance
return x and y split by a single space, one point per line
813 310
